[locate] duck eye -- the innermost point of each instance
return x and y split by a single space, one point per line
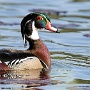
39 18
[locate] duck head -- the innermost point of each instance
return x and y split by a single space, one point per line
32 23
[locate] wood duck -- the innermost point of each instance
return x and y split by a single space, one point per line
37 55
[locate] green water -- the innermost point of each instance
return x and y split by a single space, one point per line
70 49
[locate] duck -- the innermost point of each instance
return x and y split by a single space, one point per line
37 55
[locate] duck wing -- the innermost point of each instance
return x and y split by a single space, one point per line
21 59
11 54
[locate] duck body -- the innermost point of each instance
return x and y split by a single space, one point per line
34 54
37 55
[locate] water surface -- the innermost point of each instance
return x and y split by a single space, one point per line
70 49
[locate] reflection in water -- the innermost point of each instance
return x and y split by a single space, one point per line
26 79
18 87
24 75
80 81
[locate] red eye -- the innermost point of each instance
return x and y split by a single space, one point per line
39 18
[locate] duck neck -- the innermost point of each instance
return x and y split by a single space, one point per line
34 44
38 48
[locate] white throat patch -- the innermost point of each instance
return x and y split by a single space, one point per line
34 35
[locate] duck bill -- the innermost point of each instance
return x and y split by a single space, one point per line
50 28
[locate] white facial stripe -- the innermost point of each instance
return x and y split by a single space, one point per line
44 16
24 39
34 35
27 22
